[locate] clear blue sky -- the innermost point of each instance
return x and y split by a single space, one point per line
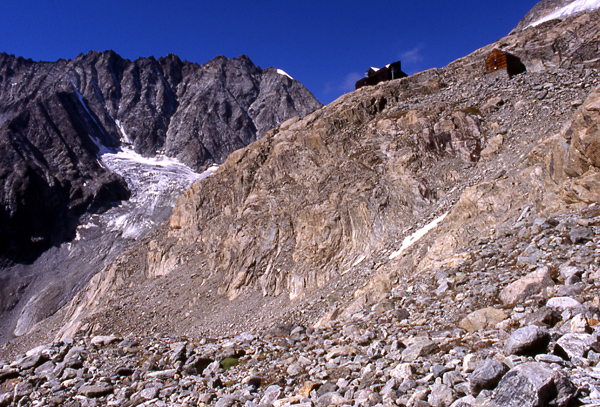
326 45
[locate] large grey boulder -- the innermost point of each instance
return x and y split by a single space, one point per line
529 340
487 376
533 384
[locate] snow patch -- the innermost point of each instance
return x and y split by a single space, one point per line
410 240
124 135
284 73
576 7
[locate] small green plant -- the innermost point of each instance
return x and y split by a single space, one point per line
472 111
228 363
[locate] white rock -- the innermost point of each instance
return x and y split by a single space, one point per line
563 303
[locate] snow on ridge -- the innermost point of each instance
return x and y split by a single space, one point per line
578 6
284 73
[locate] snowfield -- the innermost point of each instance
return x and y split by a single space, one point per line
578 6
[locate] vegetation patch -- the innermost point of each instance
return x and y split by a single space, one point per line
228 363
472 110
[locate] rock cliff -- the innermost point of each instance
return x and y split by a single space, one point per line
55 118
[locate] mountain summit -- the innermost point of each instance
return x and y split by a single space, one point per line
55 119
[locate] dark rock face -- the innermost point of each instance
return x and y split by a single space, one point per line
55 119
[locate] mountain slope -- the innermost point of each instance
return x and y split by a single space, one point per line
307 218
431 240
54 116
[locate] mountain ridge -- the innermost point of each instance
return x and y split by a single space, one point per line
100 97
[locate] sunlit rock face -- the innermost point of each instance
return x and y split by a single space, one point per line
94 152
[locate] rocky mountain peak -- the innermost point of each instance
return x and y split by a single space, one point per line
78 137
198 114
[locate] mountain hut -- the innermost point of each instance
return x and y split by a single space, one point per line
503 61
387 73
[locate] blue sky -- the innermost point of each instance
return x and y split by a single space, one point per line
326 45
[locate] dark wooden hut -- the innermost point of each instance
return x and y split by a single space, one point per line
375 76
503 61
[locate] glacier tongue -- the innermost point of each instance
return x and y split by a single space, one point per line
578 6
62 271
155 185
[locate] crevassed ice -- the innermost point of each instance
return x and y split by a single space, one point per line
155 184
578 6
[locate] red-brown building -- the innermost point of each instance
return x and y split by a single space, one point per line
500 60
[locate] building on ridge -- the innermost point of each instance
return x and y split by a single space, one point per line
387 73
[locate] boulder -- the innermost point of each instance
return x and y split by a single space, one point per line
104 340
483 319
531 285
423 347
529 340
441 396
96 390
563 303
533 384
487 376
581 235
576 345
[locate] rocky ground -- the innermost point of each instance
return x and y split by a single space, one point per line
530 338
283 279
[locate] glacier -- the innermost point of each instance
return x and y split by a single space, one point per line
155 184
576 7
